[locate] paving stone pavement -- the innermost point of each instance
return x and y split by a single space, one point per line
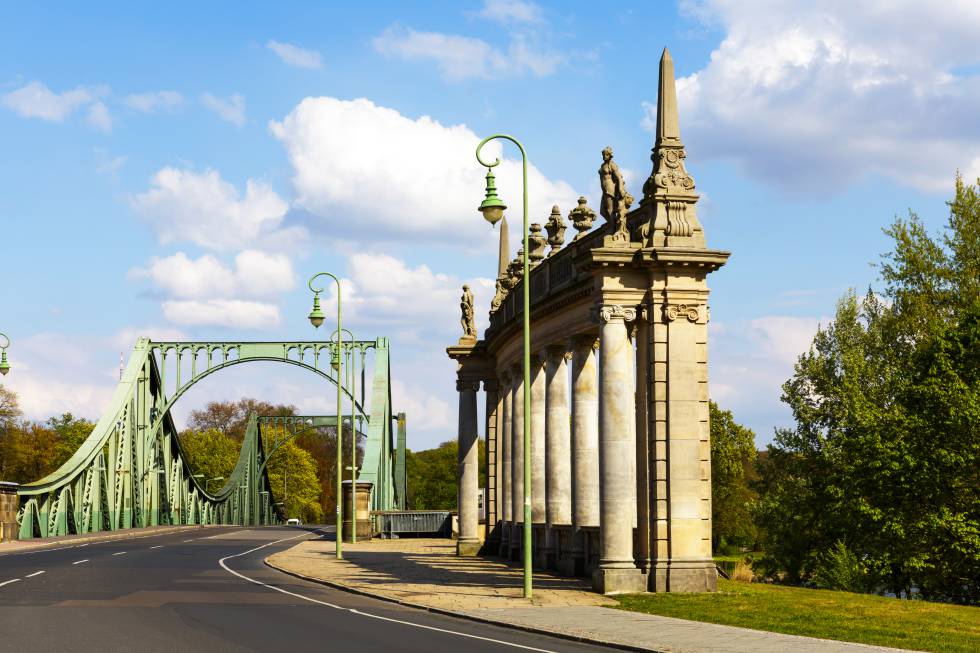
427 573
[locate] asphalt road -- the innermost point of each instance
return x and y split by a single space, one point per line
208 590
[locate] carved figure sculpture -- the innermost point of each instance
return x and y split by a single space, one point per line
467 316
616 200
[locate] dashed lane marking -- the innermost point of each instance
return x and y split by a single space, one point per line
119 553
36 573
78 562
8 582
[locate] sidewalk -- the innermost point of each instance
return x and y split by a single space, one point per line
16 546
426 573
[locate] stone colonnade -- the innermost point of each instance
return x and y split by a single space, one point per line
618 420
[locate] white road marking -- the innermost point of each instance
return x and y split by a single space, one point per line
81 545
158 546
36 573
190 540
8 582
358 612
78 562
119 553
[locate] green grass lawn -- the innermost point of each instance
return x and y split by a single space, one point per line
863 618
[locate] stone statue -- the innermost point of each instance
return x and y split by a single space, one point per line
466 319
616 200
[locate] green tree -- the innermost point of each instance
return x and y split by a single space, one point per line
293 478
9 428
878 482
431 476
732 458
211 453
70 432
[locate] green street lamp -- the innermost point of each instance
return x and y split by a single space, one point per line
4 365
492 209
353 440
316 318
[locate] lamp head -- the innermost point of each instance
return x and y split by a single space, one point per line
492 207
316 315
4 365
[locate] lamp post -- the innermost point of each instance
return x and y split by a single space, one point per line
492 209
4 365
316 318
351 382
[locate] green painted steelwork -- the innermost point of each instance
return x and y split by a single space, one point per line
492 209
4 365
131 471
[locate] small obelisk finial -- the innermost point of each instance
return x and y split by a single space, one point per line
668 127
503 254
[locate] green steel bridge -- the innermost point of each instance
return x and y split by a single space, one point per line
131 471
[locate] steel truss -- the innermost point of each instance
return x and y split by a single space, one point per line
131 471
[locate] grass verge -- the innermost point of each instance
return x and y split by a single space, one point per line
863 618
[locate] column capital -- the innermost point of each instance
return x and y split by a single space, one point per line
466 384
691 311
610 312
490 385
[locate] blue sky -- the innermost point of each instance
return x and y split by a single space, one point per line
179 171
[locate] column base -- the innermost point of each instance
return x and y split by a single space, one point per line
468 548
684 576
616 580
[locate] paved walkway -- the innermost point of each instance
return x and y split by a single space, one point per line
426 573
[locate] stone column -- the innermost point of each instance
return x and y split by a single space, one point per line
506 481
469 539
585 443
537 423
491 491
617 572
558 444
517 462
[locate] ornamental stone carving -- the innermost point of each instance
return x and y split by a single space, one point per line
611 312
616 200
537 242
466 319
691 311
581 218
556 230
462 385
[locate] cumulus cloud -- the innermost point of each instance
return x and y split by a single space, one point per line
812 97
255 274
99 118
203 208
154 101
230 109
230 313
463 57
294 55
366 170
36 100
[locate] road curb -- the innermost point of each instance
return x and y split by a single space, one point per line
109 537
464 615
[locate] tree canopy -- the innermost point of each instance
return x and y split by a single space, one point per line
878 485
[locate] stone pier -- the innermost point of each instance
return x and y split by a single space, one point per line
620 483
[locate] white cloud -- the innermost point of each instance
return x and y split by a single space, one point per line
153 101
368 171
35 100
785 337
202 208
99 118
462 57
816 96
230 109
424 411
507 11
230 313
295 55
256 274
